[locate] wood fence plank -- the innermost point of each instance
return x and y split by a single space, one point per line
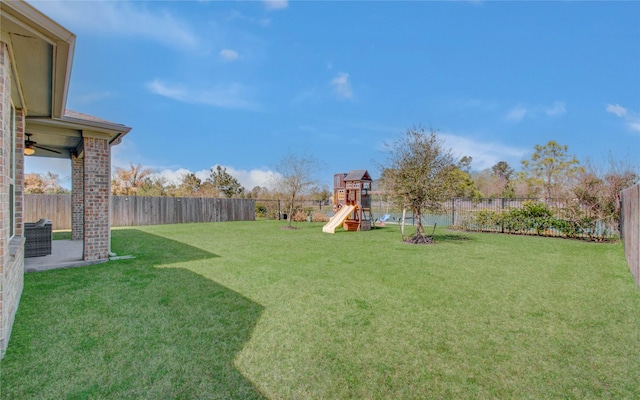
630 228
142 210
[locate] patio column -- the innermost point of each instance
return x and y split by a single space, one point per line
77 196
19 179
97 158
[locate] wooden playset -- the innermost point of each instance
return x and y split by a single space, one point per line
351 202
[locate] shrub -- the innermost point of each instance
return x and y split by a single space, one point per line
537 216
532 216
318 216
487 219
299 215
515 221
261 210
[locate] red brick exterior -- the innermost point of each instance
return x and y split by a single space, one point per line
11 249
19 180
77 198
97 159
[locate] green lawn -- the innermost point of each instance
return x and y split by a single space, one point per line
250 310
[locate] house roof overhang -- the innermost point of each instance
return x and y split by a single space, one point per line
41 56
66 134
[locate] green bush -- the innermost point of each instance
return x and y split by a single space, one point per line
487 219
261 210
534 216
537 216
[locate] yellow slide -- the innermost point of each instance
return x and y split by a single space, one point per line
338 219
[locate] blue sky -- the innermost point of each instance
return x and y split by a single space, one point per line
242 83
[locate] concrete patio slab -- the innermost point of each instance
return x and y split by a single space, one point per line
64 254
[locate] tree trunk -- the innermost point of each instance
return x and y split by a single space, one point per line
419 228
290 216
404 212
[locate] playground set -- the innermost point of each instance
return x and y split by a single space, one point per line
351 202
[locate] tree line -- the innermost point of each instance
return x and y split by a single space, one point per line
138 181
420 173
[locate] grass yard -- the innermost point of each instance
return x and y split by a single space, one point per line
249 310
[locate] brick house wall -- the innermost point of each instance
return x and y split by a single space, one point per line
11 250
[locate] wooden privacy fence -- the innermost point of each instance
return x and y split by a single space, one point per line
56 207
630 228
143 210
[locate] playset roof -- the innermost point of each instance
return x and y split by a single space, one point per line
358 175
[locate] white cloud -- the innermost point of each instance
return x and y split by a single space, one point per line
175 92
342 86
484 154
632 119
121 18
558 108
252 178
517 113
276 4
520 111
617 110
232 95
172 176
229 55
247 178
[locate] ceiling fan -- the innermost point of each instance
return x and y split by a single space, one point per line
30 146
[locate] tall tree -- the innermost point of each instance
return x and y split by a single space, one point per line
465 163
154 186
128 181
257 192
189 186
48 183
296 177
502 170
225 183
417 172
552 166
463 184
503 173
599 189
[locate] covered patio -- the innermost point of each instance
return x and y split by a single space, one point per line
64 254
86 141
36 56
41 53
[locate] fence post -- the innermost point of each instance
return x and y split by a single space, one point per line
453 212
502 213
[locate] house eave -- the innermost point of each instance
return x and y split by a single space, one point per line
27 18
115 131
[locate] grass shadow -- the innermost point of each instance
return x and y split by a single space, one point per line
439 234
451 237
137 328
